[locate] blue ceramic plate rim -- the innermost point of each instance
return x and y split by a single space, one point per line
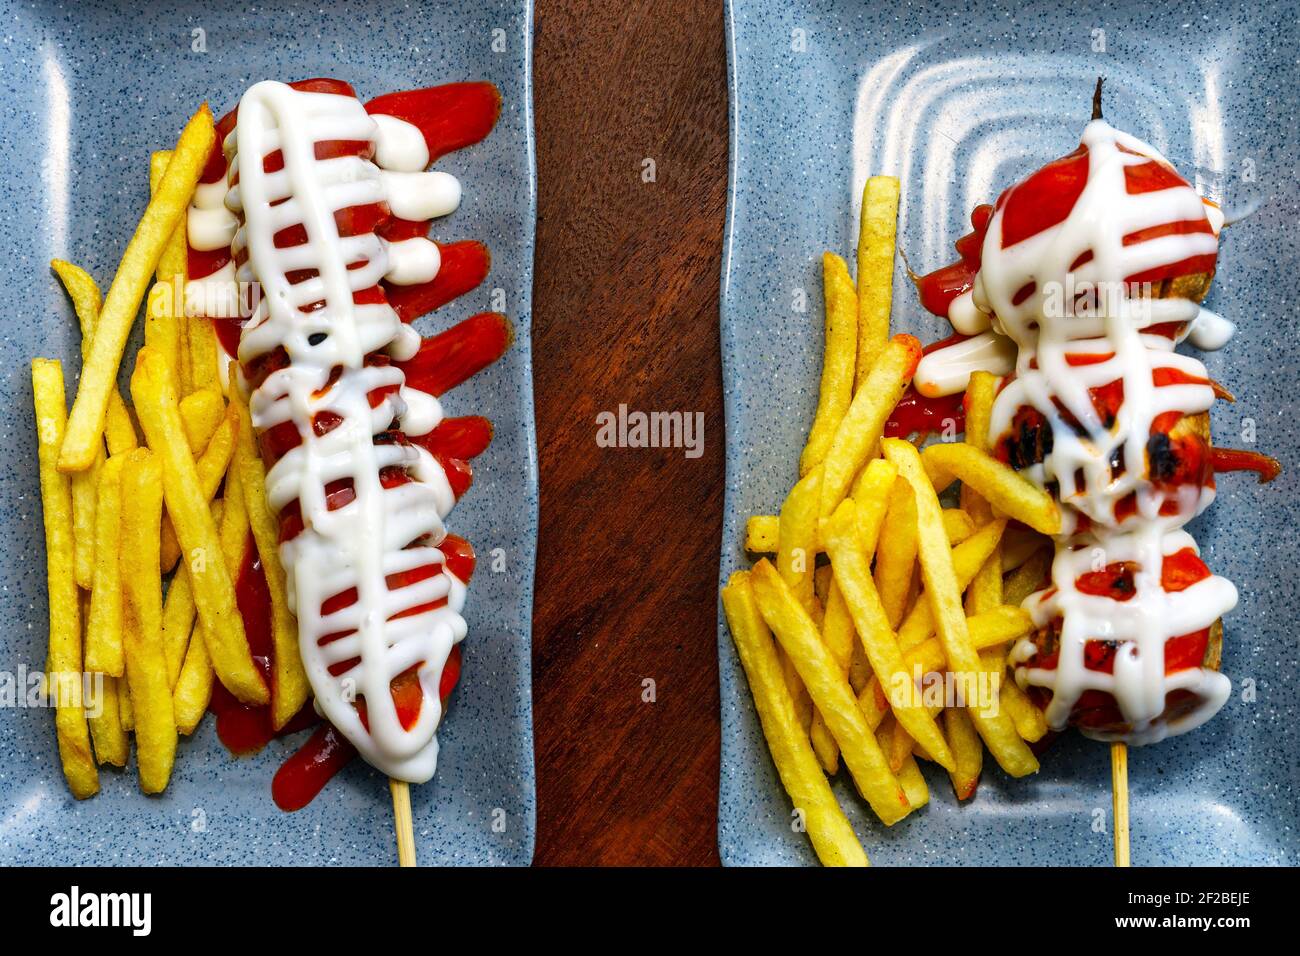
52 829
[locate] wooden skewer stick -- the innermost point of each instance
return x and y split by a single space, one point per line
402 820
1119 795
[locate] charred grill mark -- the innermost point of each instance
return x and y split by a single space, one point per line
1162 460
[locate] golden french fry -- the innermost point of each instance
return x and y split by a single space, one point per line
913 783
853 578
177 624
201 413
146 667
86 423
193 689
824 745
1031 723
829 829
999 485
967 749
104 622
896 554
944 596
106 730
86 300
166 310
119 428
986 587
830 692
797 537
980 393
63 660
967 558
211 467
289 685
837 365
900 747
126 713
990 629
860 429
957 525
762 534
870 494
156 403
878 226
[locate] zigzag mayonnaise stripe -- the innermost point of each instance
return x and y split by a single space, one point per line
339 394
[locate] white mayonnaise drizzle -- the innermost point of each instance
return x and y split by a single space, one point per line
382 531
1045 326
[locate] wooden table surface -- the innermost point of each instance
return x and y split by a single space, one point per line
625 311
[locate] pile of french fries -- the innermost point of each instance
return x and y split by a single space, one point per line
874 588
137 635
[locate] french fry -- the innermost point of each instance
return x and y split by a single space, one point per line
985 589
165 316
63 661
104 652
1031 723
980 393
156 403
86 302
796 556
990 628
860 429
871 496
853 578
967 749
125 712
896 557
829 829
106 727
797 537
211 468
201 413
146 667
957 525
762 533
877 228
837 365
177 624
967 558
944 596
986 630
119 429
1004 489
830 692
86 423
289 685
913 783
193 689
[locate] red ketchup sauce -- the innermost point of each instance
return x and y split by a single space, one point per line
449 117
1095 708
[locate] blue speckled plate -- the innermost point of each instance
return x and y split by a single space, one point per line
960 100
89 90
